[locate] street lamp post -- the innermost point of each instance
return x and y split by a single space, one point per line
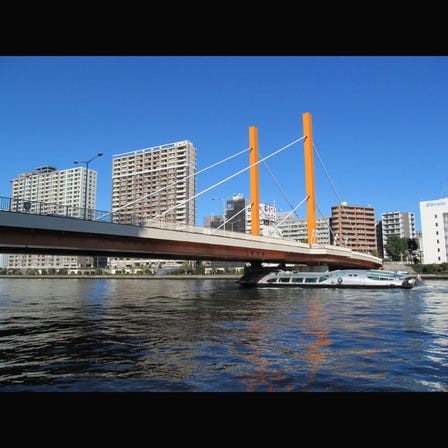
27 202
87 180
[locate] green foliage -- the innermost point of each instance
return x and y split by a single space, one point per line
431 268
397 247
200 270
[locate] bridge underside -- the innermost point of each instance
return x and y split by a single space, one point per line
23 240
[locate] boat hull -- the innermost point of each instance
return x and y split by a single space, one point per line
340 279
264 285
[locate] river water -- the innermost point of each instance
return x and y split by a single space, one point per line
156 335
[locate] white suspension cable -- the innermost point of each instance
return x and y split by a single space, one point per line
326 173
276 226
278 185
226 179
322 216
174 183
236 214
292 211
339 199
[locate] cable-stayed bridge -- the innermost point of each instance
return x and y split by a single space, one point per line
32 228
26 233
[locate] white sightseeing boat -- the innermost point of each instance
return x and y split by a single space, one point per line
343 278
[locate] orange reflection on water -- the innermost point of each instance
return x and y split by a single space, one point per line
263 375
314 355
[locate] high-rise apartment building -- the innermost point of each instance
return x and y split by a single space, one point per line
235 213
233 217
56 191
237 217
296 229
434 221
354 227
400 224
47 190
155 183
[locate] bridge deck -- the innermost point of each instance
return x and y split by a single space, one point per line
27 233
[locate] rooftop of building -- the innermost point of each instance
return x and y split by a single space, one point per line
154 148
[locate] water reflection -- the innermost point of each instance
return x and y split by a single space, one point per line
210 335
265 375
318 330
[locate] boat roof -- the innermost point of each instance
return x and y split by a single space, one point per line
343 272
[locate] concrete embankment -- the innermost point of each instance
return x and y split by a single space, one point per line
433 277
130 277
395 266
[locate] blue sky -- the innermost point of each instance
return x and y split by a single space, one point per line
379 122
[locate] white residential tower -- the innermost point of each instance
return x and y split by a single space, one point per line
47 190
434 220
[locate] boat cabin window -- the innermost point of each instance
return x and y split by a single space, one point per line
323 278
374 277
283 279
271 280
297 279
311 280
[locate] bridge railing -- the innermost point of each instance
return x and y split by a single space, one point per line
53 209
19 205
